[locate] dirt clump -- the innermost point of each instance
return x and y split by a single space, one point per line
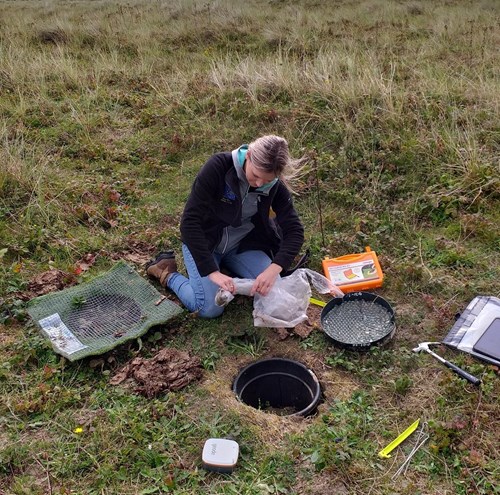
304 329
313 322
50 281
169 370
137 252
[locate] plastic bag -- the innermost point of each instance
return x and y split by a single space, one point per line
286 304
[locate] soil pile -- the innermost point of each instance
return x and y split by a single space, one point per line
169 370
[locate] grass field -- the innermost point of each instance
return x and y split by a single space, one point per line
108 110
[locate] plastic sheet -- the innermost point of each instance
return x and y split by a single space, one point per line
471 325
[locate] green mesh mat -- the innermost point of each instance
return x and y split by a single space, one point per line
98 315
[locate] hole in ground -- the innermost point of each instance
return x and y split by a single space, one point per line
280 386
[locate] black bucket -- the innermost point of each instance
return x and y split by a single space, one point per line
278 385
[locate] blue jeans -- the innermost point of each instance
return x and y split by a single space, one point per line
197 293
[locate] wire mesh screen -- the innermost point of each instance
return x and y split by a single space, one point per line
358 322
98 315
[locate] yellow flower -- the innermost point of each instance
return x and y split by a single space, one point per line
78 430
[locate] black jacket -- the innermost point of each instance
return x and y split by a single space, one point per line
215 202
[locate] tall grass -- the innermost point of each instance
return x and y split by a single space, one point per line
399 86
378 82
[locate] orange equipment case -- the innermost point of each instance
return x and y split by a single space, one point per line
354 272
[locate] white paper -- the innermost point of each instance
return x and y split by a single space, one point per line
60 335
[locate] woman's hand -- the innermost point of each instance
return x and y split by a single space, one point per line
265 281
223 281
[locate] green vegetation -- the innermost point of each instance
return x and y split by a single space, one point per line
108 109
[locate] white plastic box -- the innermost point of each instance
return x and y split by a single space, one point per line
220 454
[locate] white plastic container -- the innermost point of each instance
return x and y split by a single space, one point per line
220 454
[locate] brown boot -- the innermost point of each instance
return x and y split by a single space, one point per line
162 266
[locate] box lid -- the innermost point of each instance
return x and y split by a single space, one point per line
220 453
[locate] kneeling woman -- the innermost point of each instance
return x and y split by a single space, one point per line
239 216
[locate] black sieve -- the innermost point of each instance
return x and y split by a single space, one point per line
358 321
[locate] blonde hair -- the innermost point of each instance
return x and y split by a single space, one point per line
270 153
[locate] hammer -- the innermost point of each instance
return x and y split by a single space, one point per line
424 346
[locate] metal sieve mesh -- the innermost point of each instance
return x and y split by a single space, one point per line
96 316
358 322
104 314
